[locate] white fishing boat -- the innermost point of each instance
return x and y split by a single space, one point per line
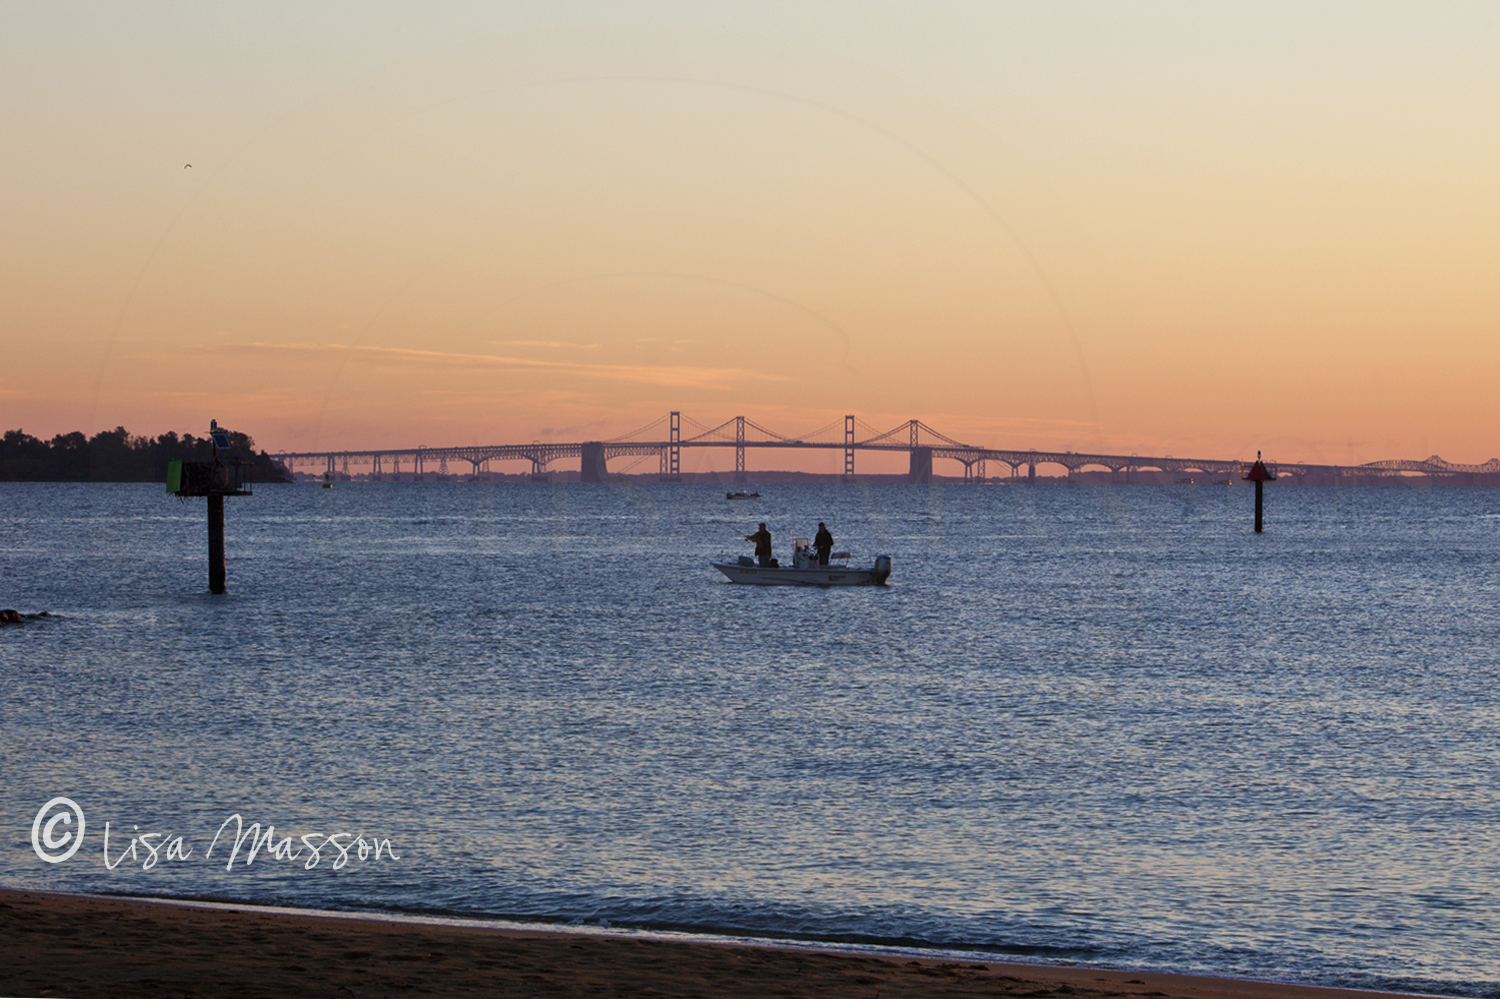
805 570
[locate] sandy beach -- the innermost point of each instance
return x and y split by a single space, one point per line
80 946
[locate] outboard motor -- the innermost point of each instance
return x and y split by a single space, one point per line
882 569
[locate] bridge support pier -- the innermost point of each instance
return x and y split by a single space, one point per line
921 466
1031 474
594 467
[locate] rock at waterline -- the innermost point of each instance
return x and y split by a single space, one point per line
16 617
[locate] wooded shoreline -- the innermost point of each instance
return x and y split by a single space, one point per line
118 456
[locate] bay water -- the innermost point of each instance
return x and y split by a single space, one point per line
1089 725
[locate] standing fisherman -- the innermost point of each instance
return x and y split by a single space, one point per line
762 539
823 542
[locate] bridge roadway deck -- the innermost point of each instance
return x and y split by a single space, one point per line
541 455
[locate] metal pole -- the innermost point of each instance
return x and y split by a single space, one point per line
1258 487
215 543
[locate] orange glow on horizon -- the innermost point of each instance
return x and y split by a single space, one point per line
1140 237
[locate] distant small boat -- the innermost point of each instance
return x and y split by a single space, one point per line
741 495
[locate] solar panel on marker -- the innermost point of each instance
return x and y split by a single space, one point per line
221 440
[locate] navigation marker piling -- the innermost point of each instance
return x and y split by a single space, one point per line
226 475
1259 475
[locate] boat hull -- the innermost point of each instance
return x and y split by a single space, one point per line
825 575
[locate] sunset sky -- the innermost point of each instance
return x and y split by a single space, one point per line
1158 228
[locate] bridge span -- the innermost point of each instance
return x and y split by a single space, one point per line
664 440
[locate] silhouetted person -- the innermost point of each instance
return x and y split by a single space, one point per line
762 539
823 542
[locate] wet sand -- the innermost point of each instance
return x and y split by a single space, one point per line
84 946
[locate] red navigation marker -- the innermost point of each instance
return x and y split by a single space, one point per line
1260 475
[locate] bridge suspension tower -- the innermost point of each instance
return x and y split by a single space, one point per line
849 449
739 449
672 457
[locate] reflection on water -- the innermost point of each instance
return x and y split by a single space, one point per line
1102 725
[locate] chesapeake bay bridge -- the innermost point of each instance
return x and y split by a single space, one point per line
664 440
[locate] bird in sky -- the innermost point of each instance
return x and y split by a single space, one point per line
187 166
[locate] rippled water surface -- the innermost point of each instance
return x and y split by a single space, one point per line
1096 725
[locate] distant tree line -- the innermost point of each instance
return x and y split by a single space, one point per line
117 456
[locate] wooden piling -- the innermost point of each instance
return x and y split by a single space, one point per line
225 475
216 543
